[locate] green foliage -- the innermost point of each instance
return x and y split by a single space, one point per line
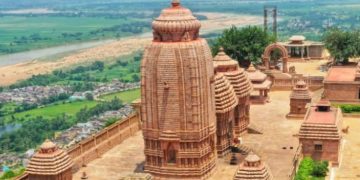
8 175
320 169
13 173
32 132
89 96
110 122
36 129
124 96
350 108
244 44
85 113
311 170
342 45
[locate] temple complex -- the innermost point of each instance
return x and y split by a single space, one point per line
253 168
49 163
178 99
320 133
232 93
342 84
300 97
301 49
261 83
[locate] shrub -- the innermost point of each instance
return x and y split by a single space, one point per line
310 169
320 169
348 108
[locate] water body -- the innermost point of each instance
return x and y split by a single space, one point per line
9 128
12 59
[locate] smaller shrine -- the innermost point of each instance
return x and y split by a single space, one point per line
320 133
225 103
253 168
261 83
300 98
49 162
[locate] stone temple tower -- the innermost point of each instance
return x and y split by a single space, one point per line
177 101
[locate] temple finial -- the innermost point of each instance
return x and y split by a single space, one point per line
221 49
175 3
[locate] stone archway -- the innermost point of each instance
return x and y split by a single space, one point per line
284 55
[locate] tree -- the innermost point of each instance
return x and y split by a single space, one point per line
244 44
342 45
89 96
135 78
98 65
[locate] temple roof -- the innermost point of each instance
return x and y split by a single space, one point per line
222 59
252 157
321 123
176 24
253 168
49 160
225 97
236 75
300 91
341 75
297 38
256 75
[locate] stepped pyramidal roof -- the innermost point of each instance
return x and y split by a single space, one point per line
300 91
321 122
237 76
253 168
49 160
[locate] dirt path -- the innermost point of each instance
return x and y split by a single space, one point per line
11 74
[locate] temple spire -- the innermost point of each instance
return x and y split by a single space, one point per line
175 3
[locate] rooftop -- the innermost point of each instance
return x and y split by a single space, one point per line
341 74
297 38
319 117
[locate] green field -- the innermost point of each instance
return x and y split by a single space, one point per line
52 111
125 96
21 33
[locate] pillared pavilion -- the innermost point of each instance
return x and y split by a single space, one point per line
261 83
232 100
178 99
49 163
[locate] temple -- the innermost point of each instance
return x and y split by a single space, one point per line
49 163
177 99
342 84
261 83
232 93
253 168
301 49
300 97
320 133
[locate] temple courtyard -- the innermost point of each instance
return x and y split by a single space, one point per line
277 146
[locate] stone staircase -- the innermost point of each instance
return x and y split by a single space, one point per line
254 129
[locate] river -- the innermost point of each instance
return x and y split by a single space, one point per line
12 59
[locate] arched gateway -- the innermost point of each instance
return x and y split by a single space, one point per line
284 55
